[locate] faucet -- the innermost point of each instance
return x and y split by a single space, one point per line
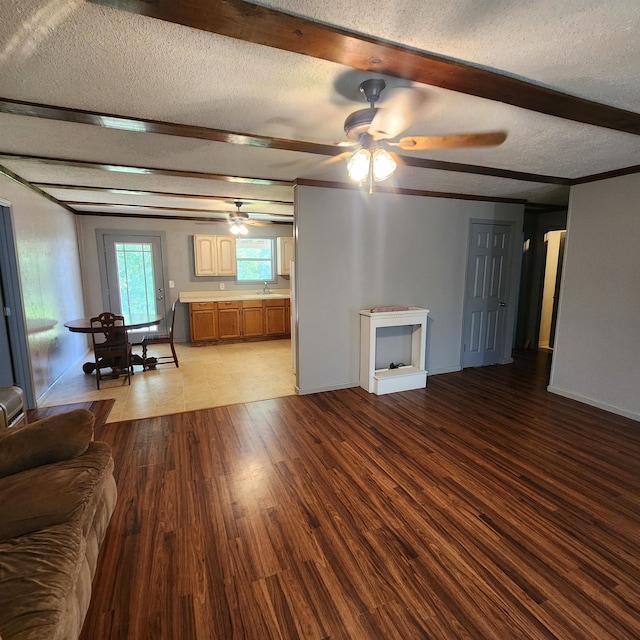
265 289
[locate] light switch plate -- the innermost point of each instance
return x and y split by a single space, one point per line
172 284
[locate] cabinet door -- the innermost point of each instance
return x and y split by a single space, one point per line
274 317
205 255
285 255
226 250
202 318
229 320
252 318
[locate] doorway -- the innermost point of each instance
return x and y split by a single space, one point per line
554 242
14 348
486 293
7 375
132 274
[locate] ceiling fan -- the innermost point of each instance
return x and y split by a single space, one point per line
373 129
239 220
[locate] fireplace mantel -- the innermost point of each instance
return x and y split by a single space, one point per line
404 378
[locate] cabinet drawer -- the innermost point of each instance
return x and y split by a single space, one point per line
229 304
252 304
279 302
202 306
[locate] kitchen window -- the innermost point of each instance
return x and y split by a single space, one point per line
255 259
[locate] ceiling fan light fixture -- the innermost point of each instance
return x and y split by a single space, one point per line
238 228
383 165
358 165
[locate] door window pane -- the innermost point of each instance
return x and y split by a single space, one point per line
135 278
254 260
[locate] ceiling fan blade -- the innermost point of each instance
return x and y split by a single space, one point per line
332 159
396 114
451 141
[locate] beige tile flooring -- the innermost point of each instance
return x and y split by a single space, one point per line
208 376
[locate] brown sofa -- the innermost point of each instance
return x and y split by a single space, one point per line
57 494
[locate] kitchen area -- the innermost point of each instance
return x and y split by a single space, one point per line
224 315
232 338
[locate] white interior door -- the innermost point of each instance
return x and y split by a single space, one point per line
486 294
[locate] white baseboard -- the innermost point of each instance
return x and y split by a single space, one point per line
86 356
593 403
435 372
309 390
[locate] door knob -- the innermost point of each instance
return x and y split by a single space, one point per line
502 304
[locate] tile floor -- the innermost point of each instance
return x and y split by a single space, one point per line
208 376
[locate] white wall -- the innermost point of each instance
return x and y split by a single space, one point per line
597 349
355 251
179 265
49 268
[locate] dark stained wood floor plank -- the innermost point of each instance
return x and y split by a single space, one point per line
481 507
99 408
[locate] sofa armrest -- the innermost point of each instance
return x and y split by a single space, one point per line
58 437
53 494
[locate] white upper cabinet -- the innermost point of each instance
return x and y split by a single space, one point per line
226 246
286 248
214 255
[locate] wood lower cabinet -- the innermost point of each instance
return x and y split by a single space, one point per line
229 322
238 319
275 317
252 318
203 321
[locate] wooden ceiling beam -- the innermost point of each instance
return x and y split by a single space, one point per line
165 194
116 205
260 25
141 125
185 131
118 168
378 188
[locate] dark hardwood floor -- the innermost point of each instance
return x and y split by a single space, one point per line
99 408
480 507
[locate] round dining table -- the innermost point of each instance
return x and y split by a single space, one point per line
132 321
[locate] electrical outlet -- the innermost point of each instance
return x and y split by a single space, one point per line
222 286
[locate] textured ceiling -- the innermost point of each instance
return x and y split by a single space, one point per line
84 56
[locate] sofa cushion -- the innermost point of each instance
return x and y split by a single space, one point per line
52 494
58 437
38 574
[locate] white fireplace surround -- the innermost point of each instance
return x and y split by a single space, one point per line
406 377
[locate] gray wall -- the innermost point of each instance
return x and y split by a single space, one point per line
597 349
179 265
355 251
49 269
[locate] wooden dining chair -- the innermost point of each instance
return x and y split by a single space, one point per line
160 338
111 346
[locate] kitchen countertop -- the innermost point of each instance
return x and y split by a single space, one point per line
226 296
